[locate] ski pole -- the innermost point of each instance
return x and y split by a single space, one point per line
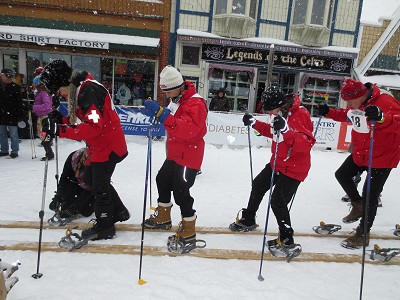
371 145
141 281
150 164
318 123
251 158
56 150
30 121
260 277
41 215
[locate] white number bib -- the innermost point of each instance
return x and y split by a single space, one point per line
359 120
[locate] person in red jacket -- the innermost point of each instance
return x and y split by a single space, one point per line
185 123
100 128
366 103
293 160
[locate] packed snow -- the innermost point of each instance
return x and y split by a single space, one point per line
220 191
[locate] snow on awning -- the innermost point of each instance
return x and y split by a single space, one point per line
43 36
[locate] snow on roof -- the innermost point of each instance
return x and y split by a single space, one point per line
88 36
375 11
390 81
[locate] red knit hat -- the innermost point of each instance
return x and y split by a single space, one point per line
352 89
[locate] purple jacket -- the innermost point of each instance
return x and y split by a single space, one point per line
43 104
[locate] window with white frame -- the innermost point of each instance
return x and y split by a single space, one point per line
311 12
190 55
238 7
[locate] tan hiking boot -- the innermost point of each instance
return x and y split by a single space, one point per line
187 229
357 240
356 212
161 219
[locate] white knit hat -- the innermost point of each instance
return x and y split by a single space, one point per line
170 79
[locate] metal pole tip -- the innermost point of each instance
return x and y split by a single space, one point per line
260 278
37 275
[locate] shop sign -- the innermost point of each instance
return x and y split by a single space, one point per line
43 40
212 52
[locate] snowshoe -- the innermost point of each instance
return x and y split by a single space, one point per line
72 241
244 224
10 282
324 228
356 241
9 269
279 249
383 254
62 219
178 244
397 230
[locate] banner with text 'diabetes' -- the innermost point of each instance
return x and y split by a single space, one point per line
228 129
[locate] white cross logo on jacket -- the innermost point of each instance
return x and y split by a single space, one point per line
94 116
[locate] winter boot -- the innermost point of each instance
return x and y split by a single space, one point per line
346 198
122 215
357 240
99 232
57 202
284 245
49 152
246 223
357 211
161 219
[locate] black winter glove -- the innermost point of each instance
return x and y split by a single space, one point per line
374 113
56 117
280 124
323 109
248 120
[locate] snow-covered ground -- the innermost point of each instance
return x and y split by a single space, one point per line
220 191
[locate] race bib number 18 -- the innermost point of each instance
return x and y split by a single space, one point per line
357 117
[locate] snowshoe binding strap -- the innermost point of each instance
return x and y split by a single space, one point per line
383 254
55 220
396 230
239 227
72 241
324 228
177 244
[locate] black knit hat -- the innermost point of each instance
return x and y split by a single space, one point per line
272 98
55 75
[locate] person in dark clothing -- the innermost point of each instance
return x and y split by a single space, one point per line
100 128
11 111
220 102
73 193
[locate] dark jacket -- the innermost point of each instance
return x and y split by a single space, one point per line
10 104
219 103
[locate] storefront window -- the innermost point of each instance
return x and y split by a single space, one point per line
190 55
129 82
90 64
41 59
236 84
10 61
318 90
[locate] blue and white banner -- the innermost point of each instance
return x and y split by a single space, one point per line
133 121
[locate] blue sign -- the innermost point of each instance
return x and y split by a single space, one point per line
133 121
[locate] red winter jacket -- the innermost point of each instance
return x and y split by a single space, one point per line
100 128
386 147
186 129
293 157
